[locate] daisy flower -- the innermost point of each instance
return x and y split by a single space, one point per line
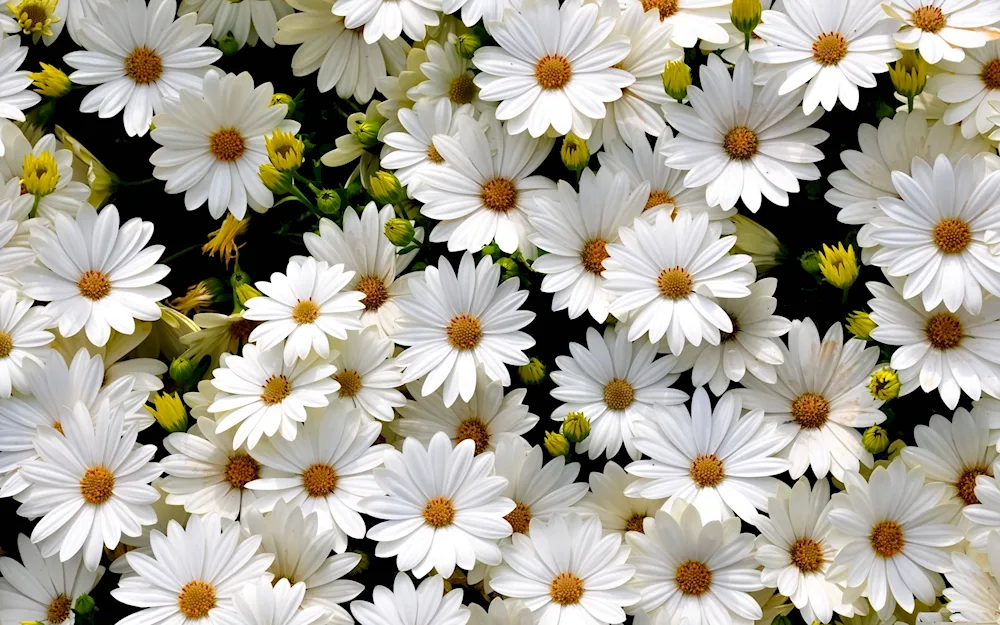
970 88
501 612
211 148
716 460
247 22
822 390
795 550
894 536
607 500
667 275
22 338
139 56
301 553
15 98
974 593
165 513
443 507
952 352
368 374
89 485
388 19
205 473
264 396
743 141
690 20
614 383
219 334
694 570
751 347
362 247
193 573
565 571
489 418
327 471
482 191
942 29
423 605
410 151
303 308
261 603
449 78
96 275
43 590
542 80
834 51
953 453
458 326
933 236
45 170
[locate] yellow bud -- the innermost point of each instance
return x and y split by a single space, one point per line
385 188
284 150
279 182
895 447
676 79
169 412
884 384
576 427
367 132
860 324
574 152
745 15
875 440
399 231
40 174
51 81
909 75
839 265
556 444
532 373
287 100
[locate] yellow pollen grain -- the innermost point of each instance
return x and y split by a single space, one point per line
464 331
143 66
887 539
241 470
675 283
519 518
58 610
928 18
475 430
618 394
319 480
227 144
952 235
196 599
807 555
499 195
707 470
439 512
553 71
276 389
944 331
97 485
693 578
966 484
593 254
810 411
374 290
740 143
566 589
829 48
305 311
350 382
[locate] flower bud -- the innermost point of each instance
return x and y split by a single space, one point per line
228 45
183 372
860 324
532 373
169 410
328 201
84 604
838 265
556 444
467 43
875 440
277 182
576 427
574 152
399 231
745 15
884 384
760 243
385 188
909 75
781 620
362 566
366 132
809 262
676 79
50 81
287 100
284 150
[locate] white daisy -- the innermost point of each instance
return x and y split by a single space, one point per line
427 604
247 22
715 460
970 88
212 143
368 374
543 80
219 334
974 593
942 29
388 19
667 275
343 58
301 551
45 170
741 140
303 308
22 338
934 235
89 485
894 536
695 570
614 383
261 603
458 326
42 590
489 418
751 347
443 507
14 95
607 500
139 56
205 473
362 247
449 77
690 20
326 470
565 571
264 396
192 574
501 612
165 513
484 188
410 151
795 550
834 48
953 352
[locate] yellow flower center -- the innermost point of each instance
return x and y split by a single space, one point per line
464 331
94 285
707 470
618 394
553 71
196 599
439 512
350 382
829 48
807 555
658 198
305 311
666 8
693 578
675 283
6 344
475 430
143 66
462 90
966 484
519 518
566 589
434 156
97 485
58 610
887 539
810 411
990 74
499 195
375 292
593 254
277 388
928 19
740 143
944 331
241 470
227 144
635 523
39 174
952 235
34 16
319 480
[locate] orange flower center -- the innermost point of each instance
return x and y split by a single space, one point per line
350 382
499 195
952 235
740 143
829 48
58 610
666 8
305 311
97 485
462 90
94 285
887 539
928 19
990 74
439 512
553 71
143 66
810 410
196 599
464 331
707 470
675 283
276 390
241 470
693 578
807 555
475 430
319 480
944 331
566 589
519 518
227 144
593 254
966 484
375 292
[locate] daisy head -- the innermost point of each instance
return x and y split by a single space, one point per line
411 151
404 601
607 499
689 20
22 338
973 592
943 29
970 88
501 612
280 603
45 171
219 334
368 374
449 78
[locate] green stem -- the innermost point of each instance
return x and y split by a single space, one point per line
302 198
135 183
34 206
164 261
746 41
909 104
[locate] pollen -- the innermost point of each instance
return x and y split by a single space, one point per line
675 283
6 344
944 331
39 174
277 388
97 485
707 470
305 311
810 411
593 254
966 484
635 523
319 480
196 599
241 470
143 66
475 430
499 195
666 8
462 90
227 144
693 578
952 235
553 71
439 512
434 156
659 198
807 555
829 48
990 74
374 290
929 19
94 285
58 610
887 539
566 589
618 394
464 331
350 382
740 143
519 518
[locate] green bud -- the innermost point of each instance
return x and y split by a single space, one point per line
367 132
781 620
556 444
466 44
399 231
810 262
894 448
84 604
875 440
576 427
287 100
509 266
385 188
884 384
328 201
532 373
362 565
745 15
217 288
183 372
574 152
676 79
228 45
